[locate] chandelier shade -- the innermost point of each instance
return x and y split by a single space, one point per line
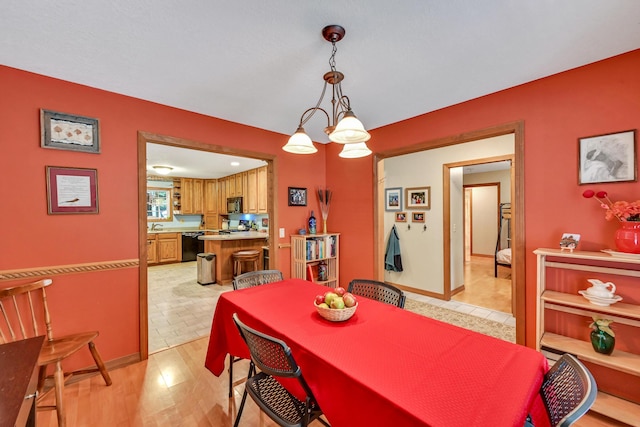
343 127
300 143
355 150
163 170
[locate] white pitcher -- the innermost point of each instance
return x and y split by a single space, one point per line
601 289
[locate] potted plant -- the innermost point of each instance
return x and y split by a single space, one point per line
602 336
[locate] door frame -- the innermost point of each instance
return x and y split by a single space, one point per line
517 191
147 137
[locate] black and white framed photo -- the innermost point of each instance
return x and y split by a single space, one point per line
297 196
607 158
68 132
393 199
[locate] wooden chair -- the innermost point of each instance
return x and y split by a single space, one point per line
25 314
379 291
245 256
249 280
274 360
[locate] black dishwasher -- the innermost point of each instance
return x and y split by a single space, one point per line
191 245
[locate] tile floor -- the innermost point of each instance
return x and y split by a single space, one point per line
181 310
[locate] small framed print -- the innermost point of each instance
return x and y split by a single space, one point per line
297 196
607 158
418 198
265 222
68 132
393 199
569 241
72 190
401 217
417 216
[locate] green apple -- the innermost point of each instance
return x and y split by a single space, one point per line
329 296
337 303
324 305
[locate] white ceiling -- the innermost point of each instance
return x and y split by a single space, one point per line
261 63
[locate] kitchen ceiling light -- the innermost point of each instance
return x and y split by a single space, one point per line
343 127
163 170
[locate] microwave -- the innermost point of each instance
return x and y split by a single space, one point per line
234 205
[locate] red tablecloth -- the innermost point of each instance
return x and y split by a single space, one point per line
386 366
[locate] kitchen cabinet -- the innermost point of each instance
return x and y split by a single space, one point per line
192 196
231 185
152 253
251 192
210 196
222 196
239 188
177 196
164 248
316 252
211 221
262 190
560 306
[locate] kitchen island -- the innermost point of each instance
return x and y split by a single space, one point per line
224 245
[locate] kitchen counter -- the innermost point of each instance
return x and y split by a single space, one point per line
224 245
236 235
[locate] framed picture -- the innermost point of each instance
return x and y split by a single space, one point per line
401 217
607 158
72 190
68 132
393 199
265 222
418 198
297 196
569 241
417 216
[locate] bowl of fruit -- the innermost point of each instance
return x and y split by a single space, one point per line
336 305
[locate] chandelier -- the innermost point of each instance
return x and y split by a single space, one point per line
343 127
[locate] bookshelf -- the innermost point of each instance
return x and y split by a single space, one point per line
315 257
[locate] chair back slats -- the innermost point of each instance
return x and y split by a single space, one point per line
24 312
568 391
256 278
379 291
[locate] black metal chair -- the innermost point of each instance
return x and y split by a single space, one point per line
249 280
256 278
568 391
273 358
379 291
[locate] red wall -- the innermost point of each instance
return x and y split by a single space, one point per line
596 99
107 301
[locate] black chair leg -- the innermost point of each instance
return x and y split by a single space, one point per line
244 398
231 360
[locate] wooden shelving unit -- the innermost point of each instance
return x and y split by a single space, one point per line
622 313
311 250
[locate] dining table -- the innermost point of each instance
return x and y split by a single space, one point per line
386 366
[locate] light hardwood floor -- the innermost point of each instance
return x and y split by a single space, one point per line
482 289
173 388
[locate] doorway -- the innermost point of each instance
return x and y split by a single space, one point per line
143 139
515 131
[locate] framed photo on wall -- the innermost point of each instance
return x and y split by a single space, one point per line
72 190
68 132
417 216
393 199
297 196
418 198
401 217
607 158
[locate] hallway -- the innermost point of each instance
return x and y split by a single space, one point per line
482 289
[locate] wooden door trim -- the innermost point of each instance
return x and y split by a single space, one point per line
517 205
143 139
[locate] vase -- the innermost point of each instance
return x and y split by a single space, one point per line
324 226
628 237
602 342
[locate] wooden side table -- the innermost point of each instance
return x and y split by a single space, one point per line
19 381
